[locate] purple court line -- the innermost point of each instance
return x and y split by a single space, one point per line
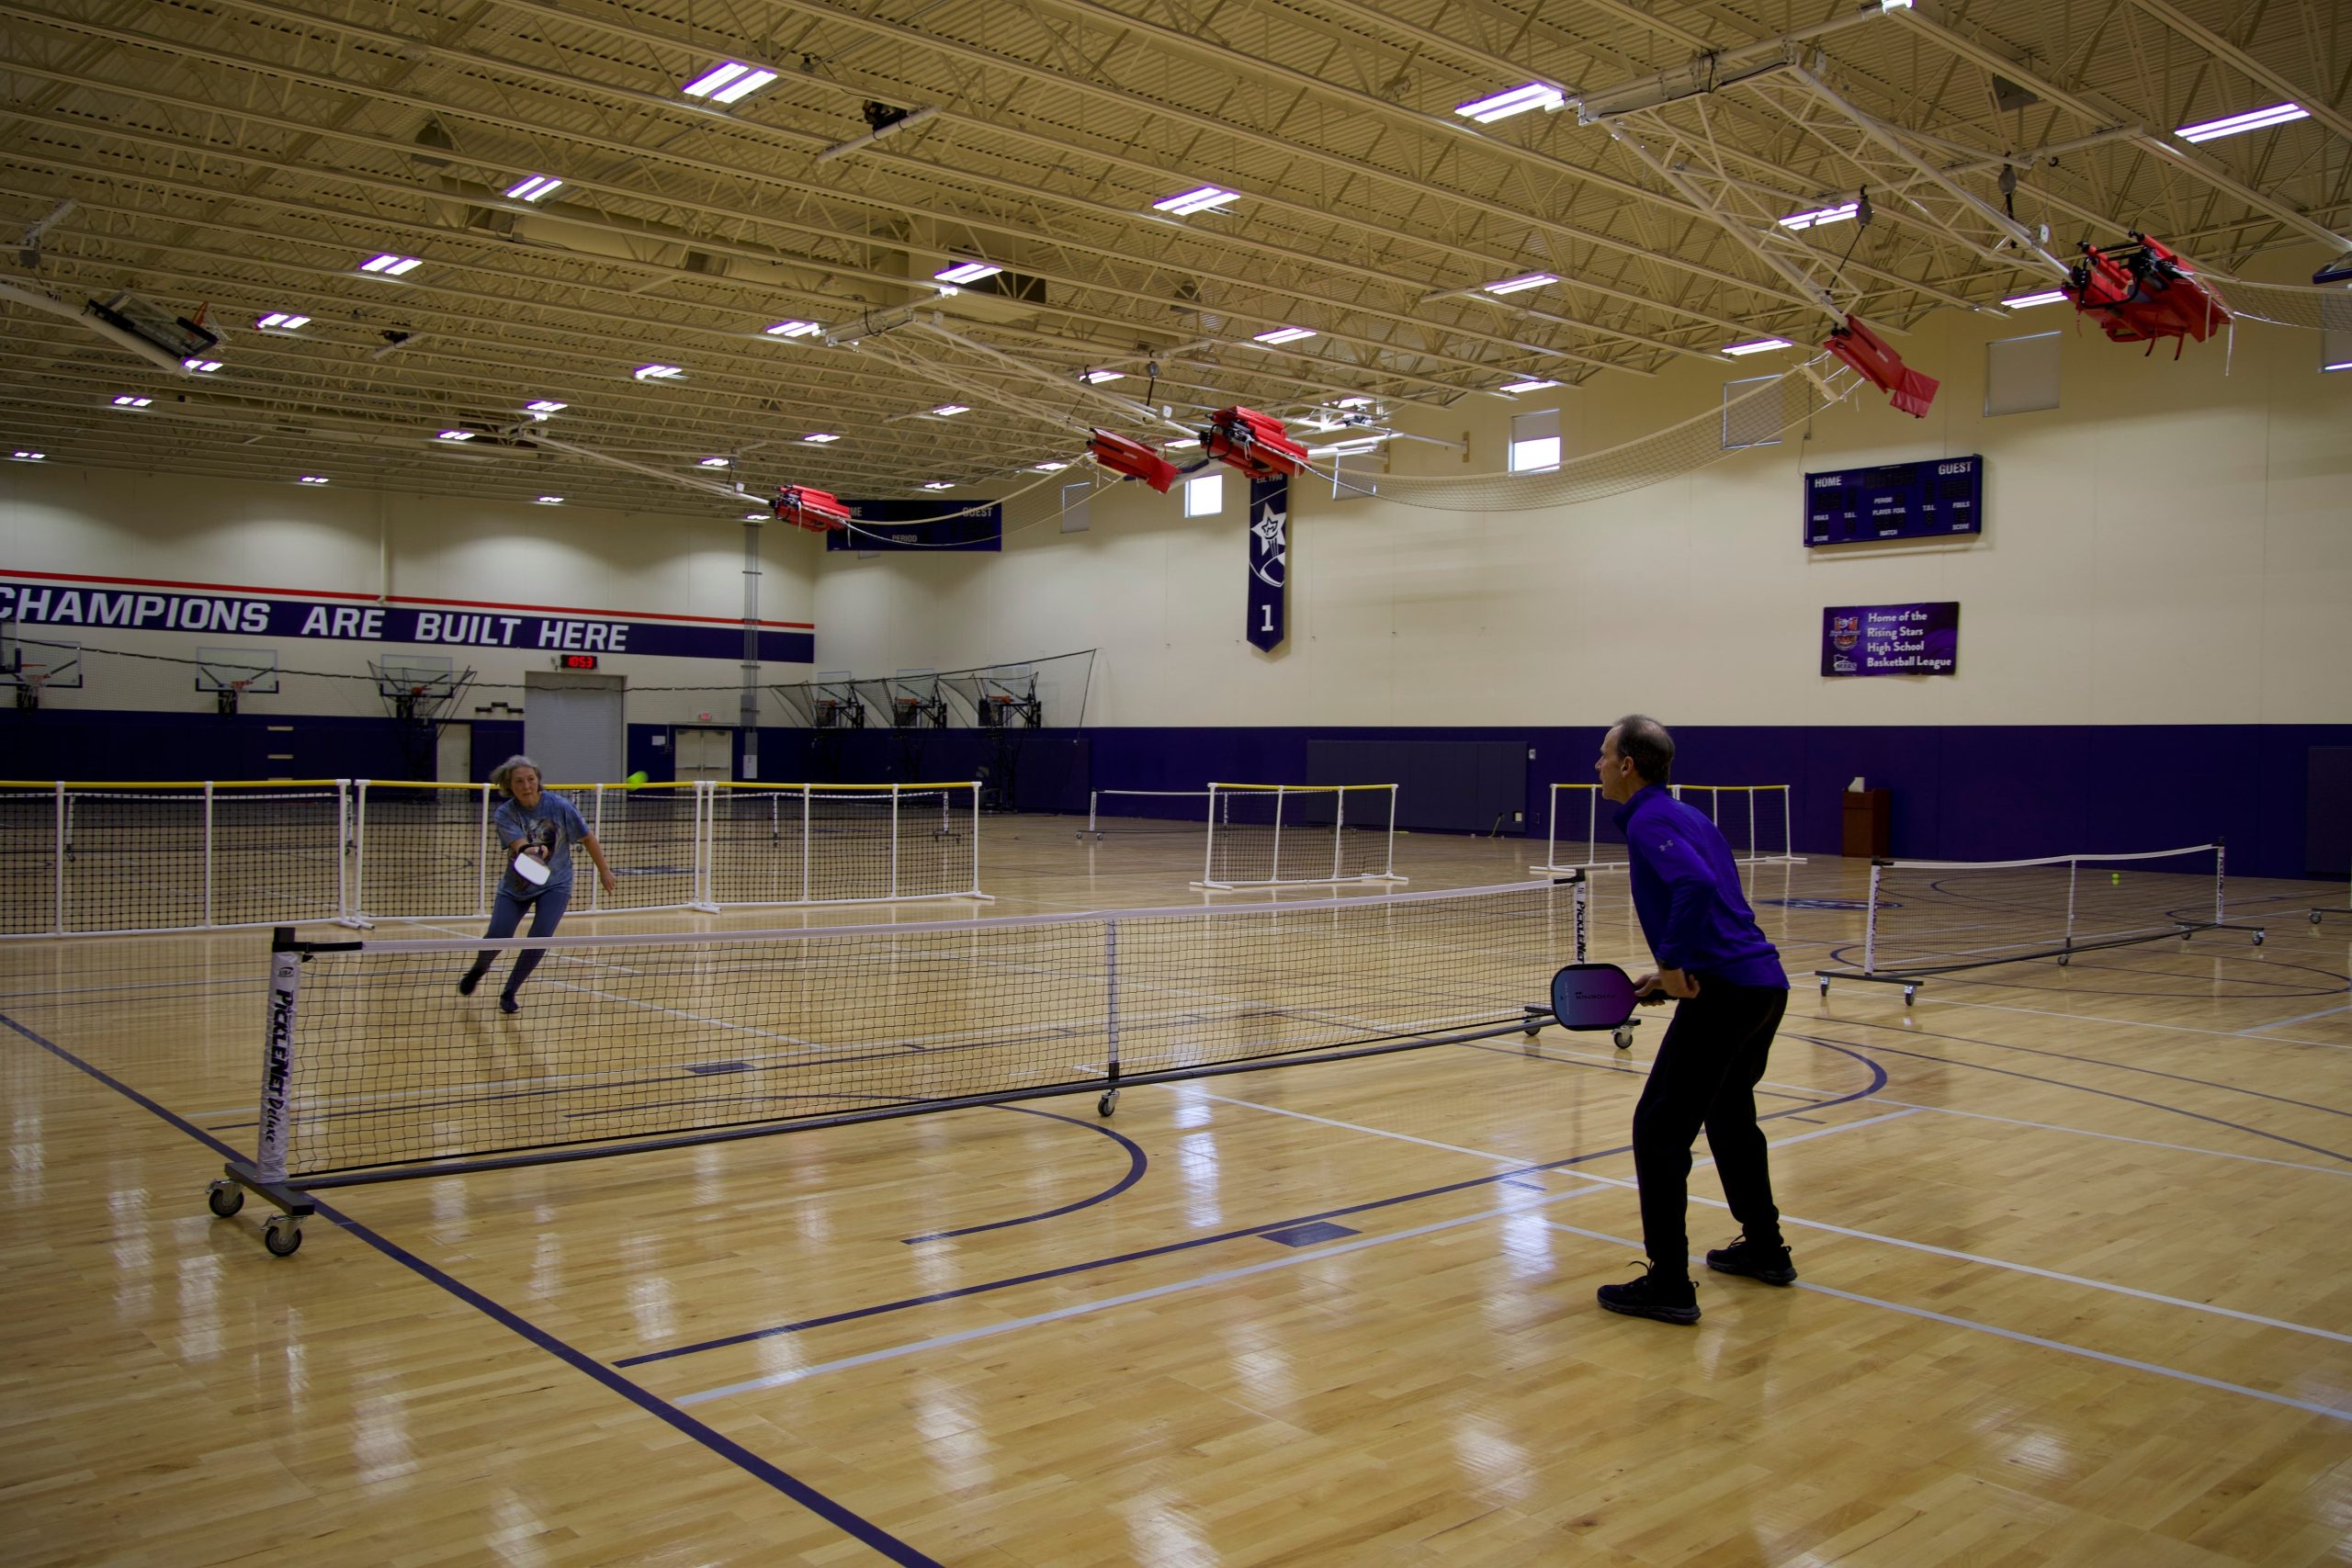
727 1447
1137 1163
1844 953
2060 1083
1878 1081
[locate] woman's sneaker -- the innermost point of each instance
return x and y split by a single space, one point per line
1668 1301
1767 1264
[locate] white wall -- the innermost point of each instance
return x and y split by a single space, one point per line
2172 545
302 540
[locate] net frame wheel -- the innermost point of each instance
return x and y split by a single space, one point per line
2314 917
1824 986
1908 992
1108 1103
282 1235
1624 1036
225 1198
2259 936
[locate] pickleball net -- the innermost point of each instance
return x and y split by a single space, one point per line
1936 918
377 1068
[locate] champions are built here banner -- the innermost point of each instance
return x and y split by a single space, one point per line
68 603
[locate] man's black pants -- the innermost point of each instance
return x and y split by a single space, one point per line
1706 1075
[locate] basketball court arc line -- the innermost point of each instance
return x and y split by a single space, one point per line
2324 1012
1080 1309
986 1287
719 1443
2021 1338
1843 1230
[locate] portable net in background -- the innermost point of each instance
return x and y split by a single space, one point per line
807 843
1128 811
650 835
121 858
1580 830
1297 835
377 1066
1934 917
423 850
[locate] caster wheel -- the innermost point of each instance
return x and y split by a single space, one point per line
1108 1103
282 1236
1825 989
2259 936
1624 1039
2314 917
1908 992
2062 962
225 1198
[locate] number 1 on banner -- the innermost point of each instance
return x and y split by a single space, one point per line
1267 624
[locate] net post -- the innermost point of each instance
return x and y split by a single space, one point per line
1752 856
808 804
207 855
277 1056
1094 798
1389 866
483 855
1788 834
1580 896
356 862
1592 827
1338 832
1208 868
348 850
57 860
596 826
2221 863
894 840
1111 999
1552 828
1870 921
975 836
1275 861
2074 871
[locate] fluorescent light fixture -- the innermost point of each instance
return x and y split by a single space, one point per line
544 407
1519 100
793 329
548 501
1049 468
756 516
1353 403
727 83
966 272
1818 217
202 367
312 480
42 457
1283 335
821 437
1207 198
279 321
1761 345
2027 302
539 187
391 266
2253 119
657 373
1886 6
1529 386
949 411
938 484
1516 285
1186 440
712 463
130 400
455 435
1099 377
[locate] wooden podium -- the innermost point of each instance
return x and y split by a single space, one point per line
1869 814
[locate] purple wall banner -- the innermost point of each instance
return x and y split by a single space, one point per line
1891 639
63 600
1269 563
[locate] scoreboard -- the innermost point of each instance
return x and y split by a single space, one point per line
1901 501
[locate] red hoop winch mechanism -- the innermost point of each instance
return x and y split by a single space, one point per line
2143 291
1872 359
815 510
1254 442
1132 458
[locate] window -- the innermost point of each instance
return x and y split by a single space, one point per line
1078 512
1750 420
1205 497
2022 374
1534 441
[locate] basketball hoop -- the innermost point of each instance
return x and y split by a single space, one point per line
30 679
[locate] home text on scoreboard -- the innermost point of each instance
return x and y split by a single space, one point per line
1901 501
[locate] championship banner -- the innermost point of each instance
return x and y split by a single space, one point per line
1891 639
1269 562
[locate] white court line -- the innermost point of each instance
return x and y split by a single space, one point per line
797 1374
2330 1412
2120 1138
2099 1018
2324 1012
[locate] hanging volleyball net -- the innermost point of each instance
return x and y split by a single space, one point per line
1299 835
1930 919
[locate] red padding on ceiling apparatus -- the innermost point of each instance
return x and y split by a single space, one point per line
2142 292
1254 443
815 510
1871 358
1131 458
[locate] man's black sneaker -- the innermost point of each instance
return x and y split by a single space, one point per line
1769 1264
1668 1301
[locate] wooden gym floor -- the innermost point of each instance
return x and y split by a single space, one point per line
2075 1290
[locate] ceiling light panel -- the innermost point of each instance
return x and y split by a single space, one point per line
1761 345
729 83
966 272
1518 100
539 187
1204 198
391 265
2238 124
1521 285
1284 334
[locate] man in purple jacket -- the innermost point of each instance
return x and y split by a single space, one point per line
1731 991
